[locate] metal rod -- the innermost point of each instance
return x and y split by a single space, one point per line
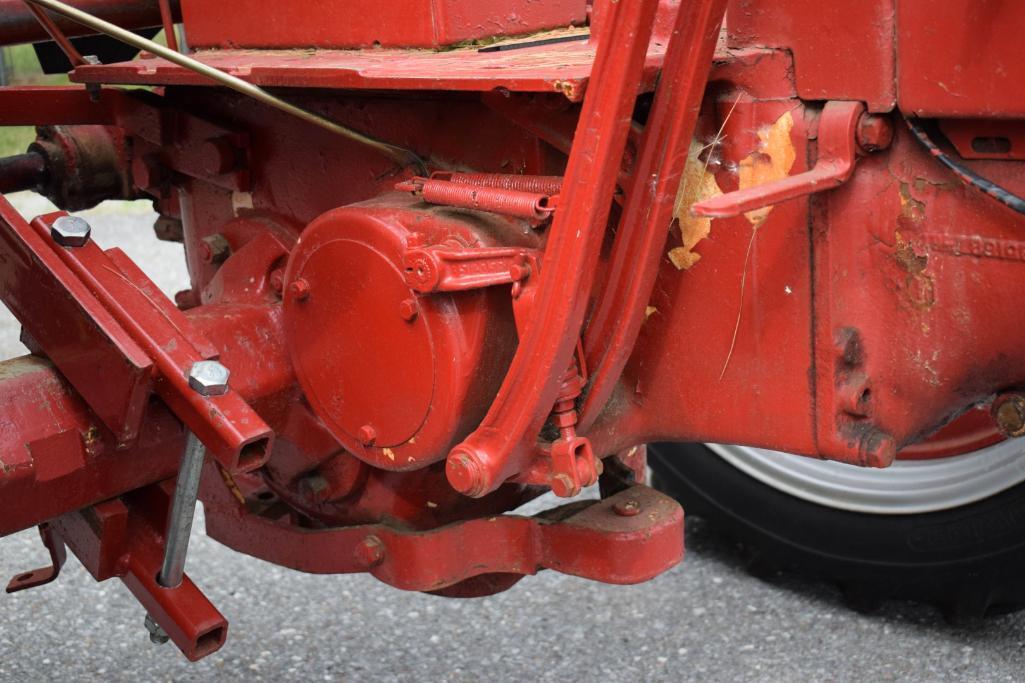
168 21
399 154
183 510
74 56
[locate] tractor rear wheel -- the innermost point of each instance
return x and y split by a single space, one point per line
947 530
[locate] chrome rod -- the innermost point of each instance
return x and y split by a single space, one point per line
183 511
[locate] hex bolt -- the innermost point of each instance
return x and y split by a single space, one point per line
157 636
209 378
215 249
1009 412
874 133
367 435
627 508
370 552
70 231
409 310
299 290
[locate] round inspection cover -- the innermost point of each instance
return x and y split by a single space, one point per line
358 360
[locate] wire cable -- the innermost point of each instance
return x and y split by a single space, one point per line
965 174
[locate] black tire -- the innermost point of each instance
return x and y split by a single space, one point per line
968 561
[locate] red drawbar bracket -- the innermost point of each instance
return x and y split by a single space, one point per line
117 338
123 538
838 152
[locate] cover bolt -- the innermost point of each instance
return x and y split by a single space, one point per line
367 435
299 289
408 310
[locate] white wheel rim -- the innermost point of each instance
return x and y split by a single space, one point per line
907 487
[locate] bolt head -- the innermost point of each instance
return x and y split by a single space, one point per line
370 552
70 231
299 289
157 636
874 133
367 435
1009 412
409 310
466 473
215 249
209 378
627 508
519 271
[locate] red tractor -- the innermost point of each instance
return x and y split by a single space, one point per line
449 255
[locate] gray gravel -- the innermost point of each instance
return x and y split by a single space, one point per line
705 620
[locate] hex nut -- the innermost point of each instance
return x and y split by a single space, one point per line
215 249
1009 412
209 378
874 133
70 231
157 636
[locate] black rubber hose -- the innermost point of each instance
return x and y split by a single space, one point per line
21 172
965 174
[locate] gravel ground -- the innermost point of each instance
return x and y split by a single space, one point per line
705 620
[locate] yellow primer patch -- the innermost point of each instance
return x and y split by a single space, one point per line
389 453
697 184
772 161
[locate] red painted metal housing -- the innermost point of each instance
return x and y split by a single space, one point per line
369 23
847 300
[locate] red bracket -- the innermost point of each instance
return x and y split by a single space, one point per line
123 538
455 268
43 575
838 152
116 338
605 540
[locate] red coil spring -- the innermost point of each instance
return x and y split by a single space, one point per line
539 184
529 205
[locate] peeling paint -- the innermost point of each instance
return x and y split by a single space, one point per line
697 184
918 282
910 208
772 161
